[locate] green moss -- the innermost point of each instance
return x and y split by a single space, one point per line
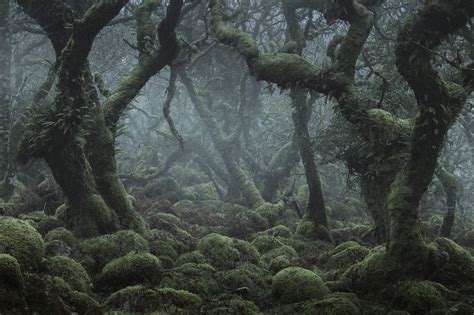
131 269
61 212
296 284
285 250
195 257
307 231
56 248
278 263
332 304
63 235
265 243
11 285
11 277
22 241
196 278
164 221
280 231
255 280
467 239
205 191
232 306
246 223
345 255
48 224
97 252
140 299
417 297
223 252
453 265
372 275
70 271
271 212
52 295
163 248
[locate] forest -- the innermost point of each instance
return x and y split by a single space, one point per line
237 157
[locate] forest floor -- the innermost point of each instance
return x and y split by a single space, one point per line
209 257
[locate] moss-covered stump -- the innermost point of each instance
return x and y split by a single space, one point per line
296 284
11 284
453 265
199 279
332 304
248 280
97 252
140 299
63 235
417 297
225 253
52 295
70 271
131 269
22 241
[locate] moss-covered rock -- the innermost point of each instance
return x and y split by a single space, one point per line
232 306
306 230
163 248
417 297
22 241
165 221
372 275
453 265
57 248
279 231
466 239
332 304
245 223
196 278
223 252
70 271
195 257
63 235
345 255
131 269
296 284
279 263
251 280
48 224
140 299
97 252
52 295
285 250
11 284
265 243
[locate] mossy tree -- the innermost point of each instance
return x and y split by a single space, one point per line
76 134
439 101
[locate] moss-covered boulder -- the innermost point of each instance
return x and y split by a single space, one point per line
233 305
306 230
249 280
63 235
296 284
196 278
453 265
345 255
417 297
48 224
131 269
70 271
11 284
140 299
279 231
224 253
57 248
264 243
46 294
97 252
195 257
244 224
22 241
332 304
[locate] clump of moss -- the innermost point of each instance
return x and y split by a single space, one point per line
63 235
372 275
52 295
195 257
140 299
48 224
11 284
246 223
234 305
306 230
265 243
279 231
332 304
180 239
223 252
163 248
165 221
278 263
196 278
57 248
296 284
131 269
417 297
251 279
271 212
97 252
466 239
22 241
71 271
453 265
285 250
345 255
